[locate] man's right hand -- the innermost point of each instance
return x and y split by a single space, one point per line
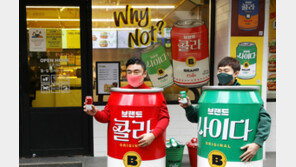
184 105
91 112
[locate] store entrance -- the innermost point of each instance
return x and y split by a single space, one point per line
53 79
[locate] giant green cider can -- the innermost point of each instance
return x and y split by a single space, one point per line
227 120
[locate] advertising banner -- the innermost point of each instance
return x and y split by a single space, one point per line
247 18
158 66
190 53
249 52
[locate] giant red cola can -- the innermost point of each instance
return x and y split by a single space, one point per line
190 53
134 112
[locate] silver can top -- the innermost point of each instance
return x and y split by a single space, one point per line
151 47
152 90
256 88
246 44
188 23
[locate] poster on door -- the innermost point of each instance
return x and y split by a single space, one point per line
53 40
37 40
70 39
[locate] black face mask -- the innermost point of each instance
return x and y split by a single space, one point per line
224 78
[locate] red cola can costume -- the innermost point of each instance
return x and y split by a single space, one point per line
134 112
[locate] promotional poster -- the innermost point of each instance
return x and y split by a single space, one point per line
247 17
249 52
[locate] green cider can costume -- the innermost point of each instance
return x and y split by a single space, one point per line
227 120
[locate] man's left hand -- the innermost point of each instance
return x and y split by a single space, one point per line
146 139
252 149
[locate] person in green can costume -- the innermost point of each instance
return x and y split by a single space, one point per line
228 70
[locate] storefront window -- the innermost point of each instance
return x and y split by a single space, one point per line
54 58
137 28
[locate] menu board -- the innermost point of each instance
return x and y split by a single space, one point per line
107 76
104 39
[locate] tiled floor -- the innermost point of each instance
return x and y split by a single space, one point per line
86 161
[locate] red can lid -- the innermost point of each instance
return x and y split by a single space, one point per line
89 99
194 140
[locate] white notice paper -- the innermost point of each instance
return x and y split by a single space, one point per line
37 40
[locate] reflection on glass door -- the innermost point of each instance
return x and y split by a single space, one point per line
54 58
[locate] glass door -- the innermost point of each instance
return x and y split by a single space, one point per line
54 77
54 56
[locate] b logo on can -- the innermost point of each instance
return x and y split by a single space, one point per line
160 72
190 61
246 64
132 159
217 159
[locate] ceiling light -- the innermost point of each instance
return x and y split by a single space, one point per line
105 7
51 7
53 19
98 29
94 20
133 6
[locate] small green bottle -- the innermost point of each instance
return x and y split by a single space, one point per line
183 97
173 142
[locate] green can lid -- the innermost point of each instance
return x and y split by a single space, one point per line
248 88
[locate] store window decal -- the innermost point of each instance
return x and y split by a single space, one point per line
134 17
171 37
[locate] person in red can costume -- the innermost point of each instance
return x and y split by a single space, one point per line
136 72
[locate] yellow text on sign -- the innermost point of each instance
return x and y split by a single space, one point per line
53 40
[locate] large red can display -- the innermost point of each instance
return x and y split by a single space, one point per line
190 53
134 112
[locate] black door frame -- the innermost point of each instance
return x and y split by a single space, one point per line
86 77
